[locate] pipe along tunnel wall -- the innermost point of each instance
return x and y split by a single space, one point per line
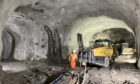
64 19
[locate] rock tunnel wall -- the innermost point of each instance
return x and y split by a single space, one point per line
23 39
29 38
30 17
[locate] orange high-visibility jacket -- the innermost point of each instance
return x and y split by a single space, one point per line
72 59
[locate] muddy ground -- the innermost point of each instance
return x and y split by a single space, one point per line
118 74
33 73
106 76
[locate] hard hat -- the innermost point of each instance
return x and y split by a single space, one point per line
74 51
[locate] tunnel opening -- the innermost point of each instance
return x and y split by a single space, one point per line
116 35
102 28
98 27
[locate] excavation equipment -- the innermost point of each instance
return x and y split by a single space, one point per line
100 53
103 51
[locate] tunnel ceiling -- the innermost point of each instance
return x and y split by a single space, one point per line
25 18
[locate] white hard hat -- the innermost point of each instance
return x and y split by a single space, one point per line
74 51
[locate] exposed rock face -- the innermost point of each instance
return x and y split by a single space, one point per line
24 39
25 21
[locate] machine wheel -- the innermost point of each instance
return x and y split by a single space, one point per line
138 64
106 60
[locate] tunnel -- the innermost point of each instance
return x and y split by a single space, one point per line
46 30
102 27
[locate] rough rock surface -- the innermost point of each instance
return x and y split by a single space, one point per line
31 74
39 29
59 14
106 76
24 39
118 74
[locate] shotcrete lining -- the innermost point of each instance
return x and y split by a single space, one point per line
32 39
89 26
59 14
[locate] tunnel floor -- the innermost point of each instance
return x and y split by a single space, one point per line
117 74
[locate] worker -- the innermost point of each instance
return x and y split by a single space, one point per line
72 60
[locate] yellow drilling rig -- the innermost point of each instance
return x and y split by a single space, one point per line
102 52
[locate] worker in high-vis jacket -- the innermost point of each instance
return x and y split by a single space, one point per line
72 59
